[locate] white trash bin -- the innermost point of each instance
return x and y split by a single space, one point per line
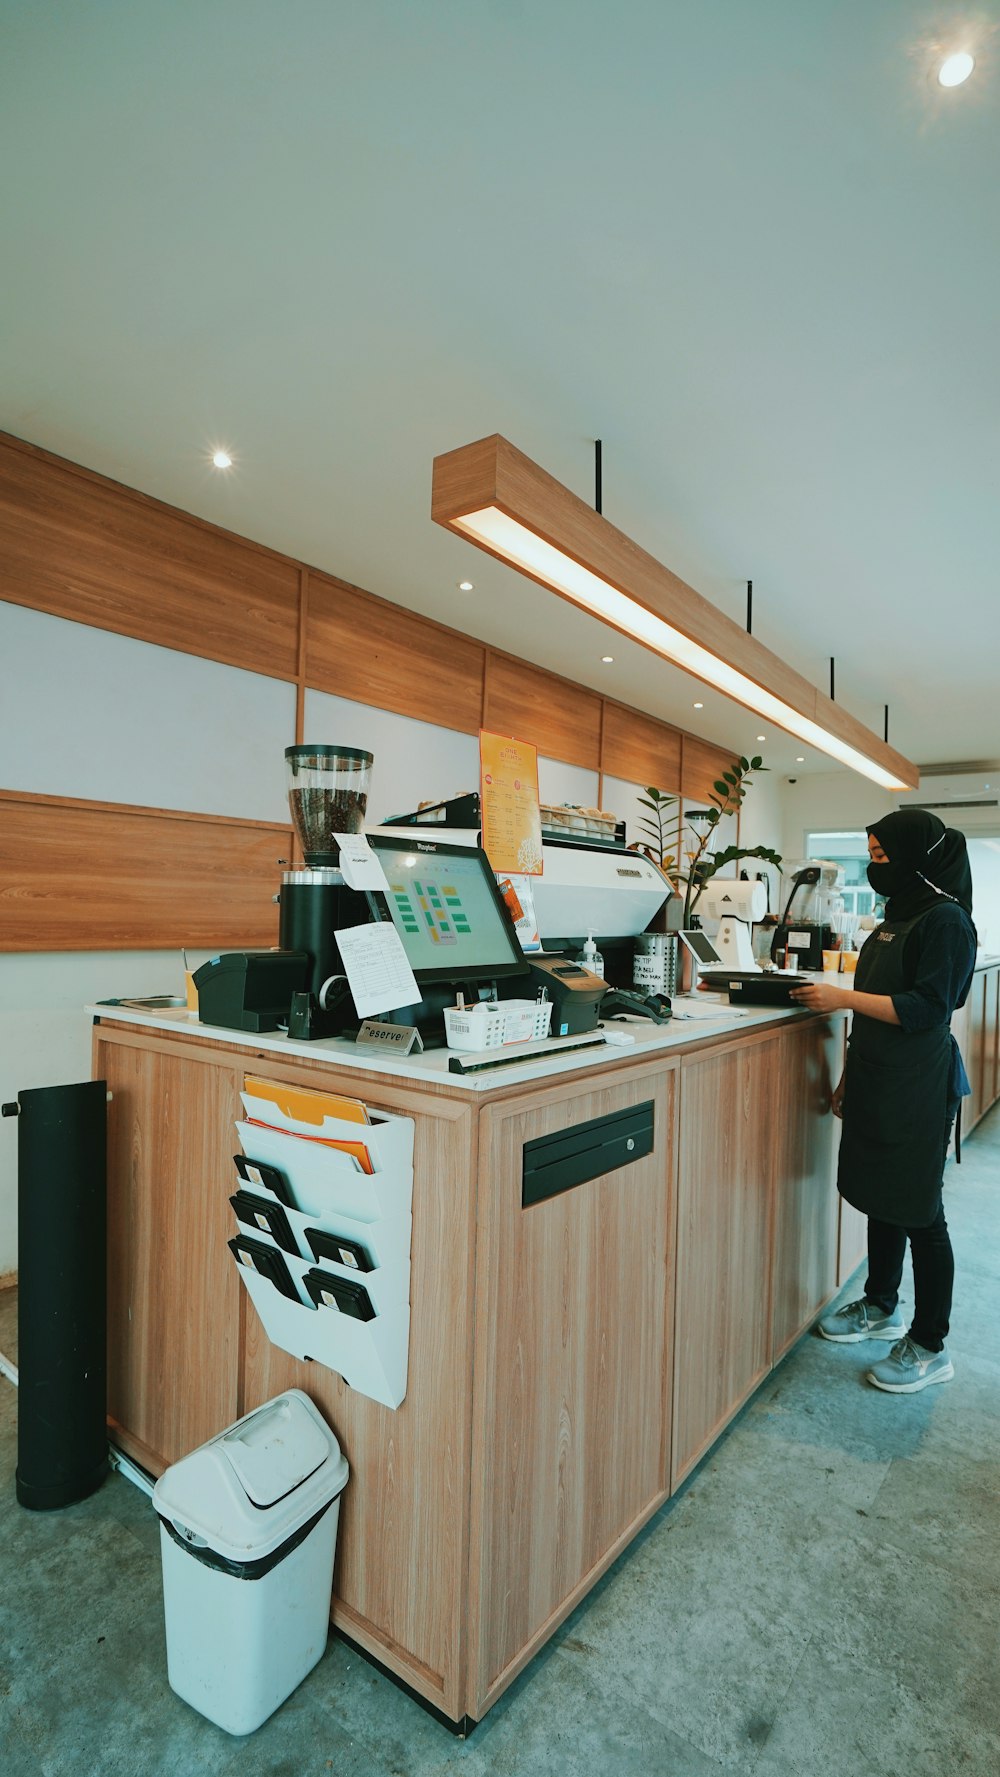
248 1534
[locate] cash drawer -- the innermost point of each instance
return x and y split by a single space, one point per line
558 1162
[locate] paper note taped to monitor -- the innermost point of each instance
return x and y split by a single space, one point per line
376 967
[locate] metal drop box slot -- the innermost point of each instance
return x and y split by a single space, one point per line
554 1163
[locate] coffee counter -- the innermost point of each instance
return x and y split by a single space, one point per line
569 1362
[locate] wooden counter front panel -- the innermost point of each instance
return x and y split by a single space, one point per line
571 1416
173 1292
806 1222
401 1544
726 1171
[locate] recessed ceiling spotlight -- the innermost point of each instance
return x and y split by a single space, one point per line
956 69
607 659
466 586
800 759
762 737
699 706
222 459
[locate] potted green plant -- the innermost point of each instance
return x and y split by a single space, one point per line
665 823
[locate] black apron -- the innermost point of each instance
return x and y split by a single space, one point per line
896 1091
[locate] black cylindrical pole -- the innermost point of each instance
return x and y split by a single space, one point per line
598 496
832 692
62 1433
749 607
886 722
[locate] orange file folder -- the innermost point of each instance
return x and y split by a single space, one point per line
357 1149
307 1106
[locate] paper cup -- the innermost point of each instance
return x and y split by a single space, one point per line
848 961
831 962
191 993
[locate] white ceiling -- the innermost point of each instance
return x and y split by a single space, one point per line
753 247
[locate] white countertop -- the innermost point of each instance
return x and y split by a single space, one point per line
693 1021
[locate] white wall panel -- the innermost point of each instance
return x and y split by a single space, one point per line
87 713
413 761
622 799
559 782
45 1034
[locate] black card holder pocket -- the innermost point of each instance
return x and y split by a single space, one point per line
258 1172
270 1218
254 1255
340 1293
337 1247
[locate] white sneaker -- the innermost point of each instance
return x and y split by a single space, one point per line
861 1320
910 1367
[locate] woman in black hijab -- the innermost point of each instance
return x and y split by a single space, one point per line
901 1088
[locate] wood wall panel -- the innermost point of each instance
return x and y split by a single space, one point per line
96 876
561 719
701 764
92 551
373 652
640 749
86 549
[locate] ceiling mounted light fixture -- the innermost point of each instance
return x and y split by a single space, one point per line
956 69
493 495
221 459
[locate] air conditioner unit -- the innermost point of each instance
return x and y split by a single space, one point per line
969 801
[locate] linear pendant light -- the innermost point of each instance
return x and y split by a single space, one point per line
492 494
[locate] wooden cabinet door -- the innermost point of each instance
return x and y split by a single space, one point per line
806 1213
722 1346
992 1063
976 1059
173 1292
571 1426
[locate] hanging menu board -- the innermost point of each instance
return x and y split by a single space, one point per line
512 824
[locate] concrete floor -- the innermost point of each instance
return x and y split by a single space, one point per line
820 1598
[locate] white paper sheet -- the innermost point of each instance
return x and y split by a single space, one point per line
375 963
362 867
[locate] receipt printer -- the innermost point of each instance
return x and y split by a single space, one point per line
250 989
575 993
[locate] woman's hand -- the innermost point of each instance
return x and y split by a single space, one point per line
837 1098
818 996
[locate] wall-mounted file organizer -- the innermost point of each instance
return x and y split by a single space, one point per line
334 1200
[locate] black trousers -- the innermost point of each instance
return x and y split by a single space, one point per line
933 1272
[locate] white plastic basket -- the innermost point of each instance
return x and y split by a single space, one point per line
494 1023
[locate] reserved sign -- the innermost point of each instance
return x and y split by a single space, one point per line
402 1039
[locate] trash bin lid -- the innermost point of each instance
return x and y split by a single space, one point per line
248 1490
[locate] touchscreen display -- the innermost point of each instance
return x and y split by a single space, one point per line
701 946
447 909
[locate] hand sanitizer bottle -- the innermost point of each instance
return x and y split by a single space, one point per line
592 958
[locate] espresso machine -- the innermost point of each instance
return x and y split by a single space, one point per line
327 795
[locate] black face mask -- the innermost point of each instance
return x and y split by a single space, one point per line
889 879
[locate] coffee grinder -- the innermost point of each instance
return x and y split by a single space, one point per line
327 795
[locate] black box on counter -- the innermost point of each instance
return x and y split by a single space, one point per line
250 989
